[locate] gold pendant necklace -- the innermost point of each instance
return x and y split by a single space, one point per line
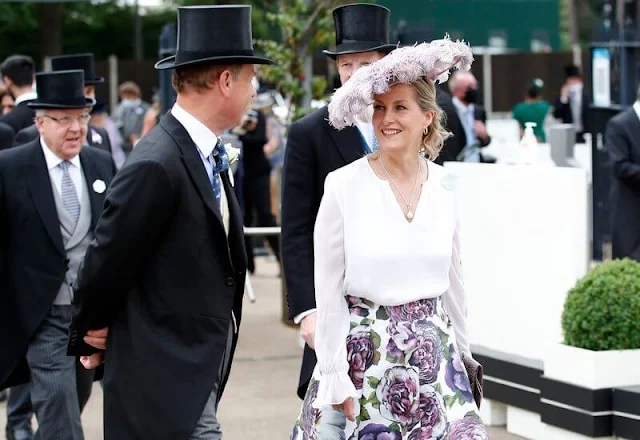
409 215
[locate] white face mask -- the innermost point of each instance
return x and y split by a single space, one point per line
575 88
130 102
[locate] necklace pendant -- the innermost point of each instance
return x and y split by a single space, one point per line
409 214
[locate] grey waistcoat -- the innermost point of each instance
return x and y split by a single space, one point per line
75 239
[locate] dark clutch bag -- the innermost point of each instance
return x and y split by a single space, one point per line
474 371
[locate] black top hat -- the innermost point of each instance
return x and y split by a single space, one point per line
60 90
361 28
410 37
83 61
213 35
99 107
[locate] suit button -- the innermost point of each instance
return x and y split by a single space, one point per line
230 281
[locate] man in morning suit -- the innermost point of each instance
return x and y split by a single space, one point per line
19 405
51 195
166 272
622 141
314 149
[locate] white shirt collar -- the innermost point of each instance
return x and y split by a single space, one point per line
53 160
366 128
204 138
26 97
461 106
636 107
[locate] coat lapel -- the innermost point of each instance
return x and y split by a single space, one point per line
236 226
348 141
42 193
634 124
91 175
193 163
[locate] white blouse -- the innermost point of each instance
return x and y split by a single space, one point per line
364 247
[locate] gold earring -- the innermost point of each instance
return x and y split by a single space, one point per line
426 131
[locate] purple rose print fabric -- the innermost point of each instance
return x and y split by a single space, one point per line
412 384
360 351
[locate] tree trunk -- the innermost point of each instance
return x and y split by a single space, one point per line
50 21
137 37
572 18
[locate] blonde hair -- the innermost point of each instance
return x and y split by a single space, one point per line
433 141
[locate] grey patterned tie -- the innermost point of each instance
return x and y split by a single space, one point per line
69 194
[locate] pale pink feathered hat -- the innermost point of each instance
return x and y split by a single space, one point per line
405 65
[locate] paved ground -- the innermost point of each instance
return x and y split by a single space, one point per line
260 399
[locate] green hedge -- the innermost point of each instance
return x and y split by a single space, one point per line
602 312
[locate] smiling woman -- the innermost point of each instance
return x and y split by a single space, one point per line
414 107
391 337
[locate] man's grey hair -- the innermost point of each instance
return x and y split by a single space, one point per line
41 112
455 77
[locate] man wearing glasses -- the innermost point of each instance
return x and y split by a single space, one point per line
51 195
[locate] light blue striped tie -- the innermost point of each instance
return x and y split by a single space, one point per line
69 194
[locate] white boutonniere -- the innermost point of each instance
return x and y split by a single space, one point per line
232 152
95 137
99 186
234 155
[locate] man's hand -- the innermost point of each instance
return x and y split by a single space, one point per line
564 93
347 407
481 130
93 361
97 338
269 148
308 329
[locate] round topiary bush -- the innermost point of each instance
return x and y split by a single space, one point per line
602 312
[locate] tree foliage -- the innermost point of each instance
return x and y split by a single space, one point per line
104 27
304 26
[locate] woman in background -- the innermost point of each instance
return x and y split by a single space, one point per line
533 109
7 102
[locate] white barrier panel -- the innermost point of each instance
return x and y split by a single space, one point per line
524 245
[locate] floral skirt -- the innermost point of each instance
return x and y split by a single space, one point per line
411 382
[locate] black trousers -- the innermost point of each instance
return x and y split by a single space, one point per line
257 206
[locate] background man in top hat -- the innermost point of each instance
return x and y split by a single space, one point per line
314 149
17 73
173 305
96 136
51 195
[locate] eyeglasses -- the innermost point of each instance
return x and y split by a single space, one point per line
66 121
